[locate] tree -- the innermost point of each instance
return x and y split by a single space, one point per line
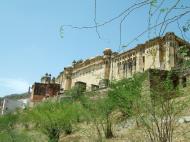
157 110
125 94
53 118
159 115
99 113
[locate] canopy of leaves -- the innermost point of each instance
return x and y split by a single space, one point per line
124 92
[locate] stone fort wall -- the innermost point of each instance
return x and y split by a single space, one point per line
158 53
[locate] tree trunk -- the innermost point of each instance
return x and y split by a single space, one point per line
109 133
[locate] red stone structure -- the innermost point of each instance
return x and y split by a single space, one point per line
45 89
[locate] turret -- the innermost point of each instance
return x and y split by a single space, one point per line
68 80
107 53
46 79
107 65
107 60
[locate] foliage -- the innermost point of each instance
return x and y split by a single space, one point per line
53 118
75 93
155 111
124 92
184 56
158 115
8 132
99 114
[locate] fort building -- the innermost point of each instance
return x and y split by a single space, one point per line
159 53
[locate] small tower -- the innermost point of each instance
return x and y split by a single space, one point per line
170 50
107 64
68 80
107 53
107 61
46 79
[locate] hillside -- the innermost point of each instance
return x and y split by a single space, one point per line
127 111
16 96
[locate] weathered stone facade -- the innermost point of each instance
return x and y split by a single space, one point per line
158 53
46 88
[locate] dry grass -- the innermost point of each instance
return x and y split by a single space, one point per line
133 134
129 132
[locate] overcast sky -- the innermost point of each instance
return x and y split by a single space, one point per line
30 42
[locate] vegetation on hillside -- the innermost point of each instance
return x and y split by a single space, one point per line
18 96
155 111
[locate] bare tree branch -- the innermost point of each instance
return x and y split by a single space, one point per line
180 29
157 19
152 12
167 20
110 20
124 18
182 8
149 20
95 13
167 13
